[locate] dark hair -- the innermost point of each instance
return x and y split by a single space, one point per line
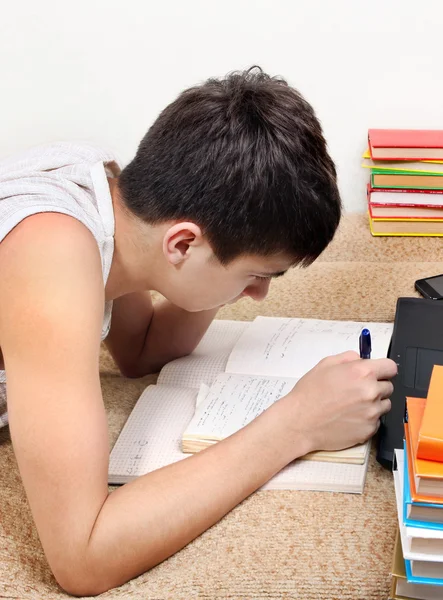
243 157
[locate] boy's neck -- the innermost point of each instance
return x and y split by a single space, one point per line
134 262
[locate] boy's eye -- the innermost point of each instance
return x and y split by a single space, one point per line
262 277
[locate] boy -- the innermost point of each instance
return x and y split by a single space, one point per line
231 186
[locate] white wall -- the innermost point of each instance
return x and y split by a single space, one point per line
102 70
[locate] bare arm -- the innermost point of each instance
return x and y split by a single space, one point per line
58 424
50 322
143 337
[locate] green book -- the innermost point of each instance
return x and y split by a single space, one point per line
408 180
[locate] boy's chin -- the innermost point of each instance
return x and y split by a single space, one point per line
194 307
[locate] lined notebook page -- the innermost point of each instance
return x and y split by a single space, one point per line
151 439
232 402
208 359
291 347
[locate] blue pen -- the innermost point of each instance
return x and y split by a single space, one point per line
365 343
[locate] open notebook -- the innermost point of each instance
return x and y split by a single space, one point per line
167 414
264 365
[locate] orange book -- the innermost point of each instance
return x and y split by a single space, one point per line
430 437
415 496
427 474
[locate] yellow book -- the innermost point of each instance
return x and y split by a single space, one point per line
411 227
409 219
385 163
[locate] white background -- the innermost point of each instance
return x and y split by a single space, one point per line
102 71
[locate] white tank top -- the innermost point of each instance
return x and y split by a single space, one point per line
67 178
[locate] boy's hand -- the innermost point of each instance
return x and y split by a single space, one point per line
143 337
339 402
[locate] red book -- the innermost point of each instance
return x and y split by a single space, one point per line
408 204
407 191
406 144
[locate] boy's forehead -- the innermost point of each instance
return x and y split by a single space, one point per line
271 265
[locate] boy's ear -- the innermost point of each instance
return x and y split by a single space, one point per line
179 239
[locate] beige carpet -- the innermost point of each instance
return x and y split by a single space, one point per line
282 544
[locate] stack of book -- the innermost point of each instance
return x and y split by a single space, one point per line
405 190
417 570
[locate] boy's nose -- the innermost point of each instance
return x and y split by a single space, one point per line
258 290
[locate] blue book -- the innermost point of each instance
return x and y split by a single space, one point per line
412 509
427 580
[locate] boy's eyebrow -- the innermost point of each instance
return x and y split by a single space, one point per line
273 275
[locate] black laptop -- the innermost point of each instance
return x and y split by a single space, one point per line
416 346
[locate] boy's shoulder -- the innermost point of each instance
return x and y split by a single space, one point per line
59 154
